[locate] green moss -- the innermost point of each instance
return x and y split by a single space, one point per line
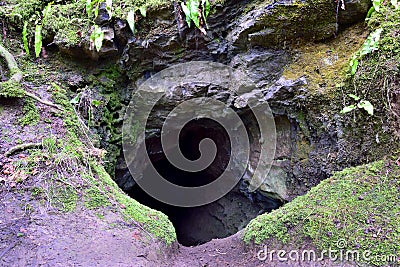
31 115
100 216
325 64
376 81
103 189
64 197
153 221
68 20
308 20
68 37
94 198
123 7
361 137
108 115
359 205
37 192
11 89
26 10
68 114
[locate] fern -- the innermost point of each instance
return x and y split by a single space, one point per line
132 17
370 45
25 38
191 10
97 37
131 20
38 40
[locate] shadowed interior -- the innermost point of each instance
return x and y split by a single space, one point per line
219 219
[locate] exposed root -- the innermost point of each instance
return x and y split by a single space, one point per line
21 147
8 249
16 73
43 101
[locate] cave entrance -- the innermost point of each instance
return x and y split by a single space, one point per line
222 218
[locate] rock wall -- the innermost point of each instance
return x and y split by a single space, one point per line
264 39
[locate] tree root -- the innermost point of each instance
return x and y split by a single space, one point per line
17 76
43 101
16 73
21 147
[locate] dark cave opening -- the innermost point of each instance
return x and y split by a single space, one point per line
221 218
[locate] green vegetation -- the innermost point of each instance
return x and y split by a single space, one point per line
37 192
324 65
377 72
197 11
11 89
377 4
102 190
153 221
131 17
362 104
359 205
31 115
66 23
370 45
25 38
97 37
326 68
94 198
63 197
76 175
308 20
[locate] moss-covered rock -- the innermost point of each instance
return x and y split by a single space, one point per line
358 205
11 89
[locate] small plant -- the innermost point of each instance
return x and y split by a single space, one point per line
197 11
131 18
96 38
25 38
38 31
97 35
372 42
38 40
362 104
377 4
92 6
370 45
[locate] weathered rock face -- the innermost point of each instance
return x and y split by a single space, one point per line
242 39
353 11
254 37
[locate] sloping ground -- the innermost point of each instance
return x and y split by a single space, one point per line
58 205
